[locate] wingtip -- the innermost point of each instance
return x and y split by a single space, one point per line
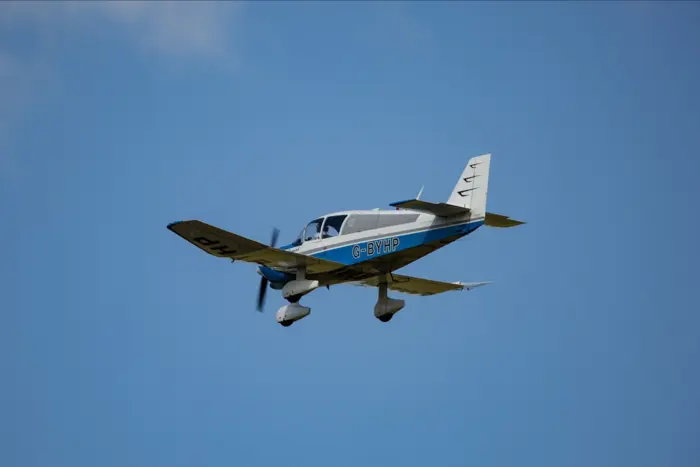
172 225
473 285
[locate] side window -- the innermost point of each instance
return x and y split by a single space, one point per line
332 226
388 220
360 223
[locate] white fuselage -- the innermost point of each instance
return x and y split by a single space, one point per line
364 235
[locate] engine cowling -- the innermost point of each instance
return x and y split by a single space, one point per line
291 313
386 307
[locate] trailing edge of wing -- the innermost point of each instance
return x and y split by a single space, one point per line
418 286
498 220
223 244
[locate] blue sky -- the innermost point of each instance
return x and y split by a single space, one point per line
121 344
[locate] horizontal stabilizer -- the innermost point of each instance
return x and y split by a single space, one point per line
438 209
498 220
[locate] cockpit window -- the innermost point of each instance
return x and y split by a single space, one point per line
313 230
332 226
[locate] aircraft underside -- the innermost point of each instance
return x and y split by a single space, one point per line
384 309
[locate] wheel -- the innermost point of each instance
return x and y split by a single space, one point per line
385 318
294 298
286 324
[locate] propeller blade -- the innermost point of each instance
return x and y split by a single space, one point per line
275 234
261 294
262 291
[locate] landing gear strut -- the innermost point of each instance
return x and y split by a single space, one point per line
386 307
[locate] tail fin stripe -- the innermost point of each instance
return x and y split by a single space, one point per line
462 192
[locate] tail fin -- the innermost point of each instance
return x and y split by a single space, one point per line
472 187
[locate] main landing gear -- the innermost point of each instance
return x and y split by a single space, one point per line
384 310
385 318
386 307
292 292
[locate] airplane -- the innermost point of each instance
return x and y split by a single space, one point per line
362 247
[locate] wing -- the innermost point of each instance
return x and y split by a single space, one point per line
418 286
225 244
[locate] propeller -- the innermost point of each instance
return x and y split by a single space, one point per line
263 280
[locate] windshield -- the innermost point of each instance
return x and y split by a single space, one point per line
299 239
313 230
310 232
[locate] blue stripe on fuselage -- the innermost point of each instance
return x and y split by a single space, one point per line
370 249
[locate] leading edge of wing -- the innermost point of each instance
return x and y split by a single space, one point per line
223 244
